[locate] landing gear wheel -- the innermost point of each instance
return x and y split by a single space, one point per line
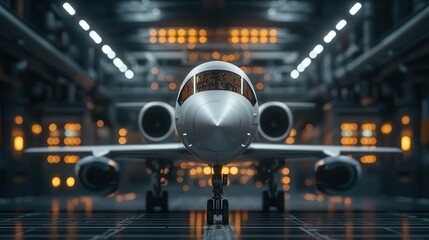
164 201
149 202
265 200
225 212
210 211
280 201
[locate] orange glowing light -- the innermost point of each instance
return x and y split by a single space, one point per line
162 32
153 39
192 32
235 39
19 120
18 143
56 182
263 33
153 32
52 127
285 171
36 128
154 86
122 140
207 170
70 182
203 32
405 120
273 32
254 32
290 140
254 39
225 170
244 32
286 180
172 32
122 132
235 32
405 143
172 86
185 188
244 39
100 123
171 39
233 170
203 39
181 32
162 39
260 86
386 128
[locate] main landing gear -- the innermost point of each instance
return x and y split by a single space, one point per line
218 206
157 197
272 198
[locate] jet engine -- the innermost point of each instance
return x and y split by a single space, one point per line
337 175
156 121
275 121
99 175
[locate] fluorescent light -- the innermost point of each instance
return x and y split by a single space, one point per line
312 54
294 74
129 74
331 35
306 62
318 49
106 49
341 24
84 25
355 8
300 68
94 35
118 62
111 54
69 8
122 68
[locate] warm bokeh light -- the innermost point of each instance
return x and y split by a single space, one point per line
233 170
53 159
185 188
100 123
70 182
290 140
122 132
225 170
386 128
172 86
154 86
405 143
52 127
368 159
122 140
286 180
36 128
207 170
56 182
18 143
19 120
405 120
260 86
285 171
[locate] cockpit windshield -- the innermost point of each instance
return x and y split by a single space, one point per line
216 80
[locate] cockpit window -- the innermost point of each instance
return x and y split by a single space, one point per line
248 93
186 92
218 80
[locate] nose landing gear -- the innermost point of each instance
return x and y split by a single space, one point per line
218 206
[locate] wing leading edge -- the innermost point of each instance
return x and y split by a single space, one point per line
166 150
266 150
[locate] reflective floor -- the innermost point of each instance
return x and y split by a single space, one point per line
307 216
191 225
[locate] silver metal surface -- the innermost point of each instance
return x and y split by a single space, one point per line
142 113
216 126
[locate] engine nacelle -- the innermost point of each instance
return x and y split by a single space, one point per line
98 175
275 121
337 175
156 121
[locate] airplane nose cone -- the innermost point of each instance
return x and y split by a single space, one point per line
214 124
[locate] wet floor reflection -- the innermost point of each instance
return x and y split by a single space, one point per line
63 221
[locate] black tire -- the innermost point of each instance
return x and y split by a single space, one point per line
265 201
164 201
280 201
210 211
149 202
225 212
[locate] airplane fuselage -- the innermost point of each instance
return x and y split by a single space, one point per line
216 112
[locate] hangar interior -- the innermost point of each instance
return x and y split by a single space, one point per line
76 73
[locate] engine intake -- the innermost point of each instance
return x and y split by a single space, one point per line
275 121
337 175
156 121
99 175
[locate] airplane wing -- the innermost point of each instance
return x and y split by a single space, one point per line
267 150
166 150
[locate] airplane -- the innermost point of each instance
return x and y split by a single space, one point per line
216 118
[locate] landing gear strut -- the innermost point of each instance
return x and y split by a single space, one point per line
217 205
272 197
157 197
